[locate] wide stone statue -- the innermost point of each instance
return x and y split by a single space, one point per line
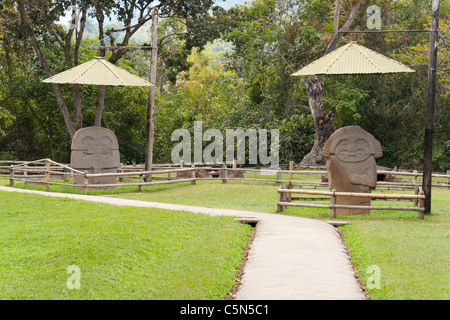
351 153
95 150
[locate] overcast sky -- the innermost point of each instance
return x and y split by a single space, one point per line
224 4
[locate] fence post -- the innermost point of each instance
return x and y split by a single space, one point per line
332 204
280 199
11 176
47 174
141 180
120 171
289 195
291 168
416 187
448 179
278 174
193 174
234 164
86 182
224 173
421 204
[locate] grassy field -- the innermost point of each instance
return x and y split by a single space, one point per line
121 252
410 256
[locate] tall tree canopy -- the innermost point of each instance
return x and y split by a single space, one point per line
242 81
38 21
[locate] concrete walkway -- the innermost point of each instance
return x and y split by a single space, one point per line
291 258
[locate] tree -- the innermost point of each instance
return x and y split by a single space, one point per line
39 19
271 38
323 121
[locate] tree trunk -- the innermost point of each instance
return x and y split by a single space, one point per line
59 97
323 122
99 106
116 55
77 97
151 97
314 85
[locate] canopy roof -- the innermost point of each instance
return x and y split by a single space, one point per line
98 71
352 59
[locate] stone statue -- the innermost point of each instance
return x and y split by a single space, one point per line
351 166
95 150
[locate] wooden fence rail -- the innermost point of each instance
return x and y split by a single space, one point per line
41 171
49 167
285 199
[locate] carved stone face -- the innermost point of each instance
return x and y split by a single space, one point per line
351 166
95 148
352 150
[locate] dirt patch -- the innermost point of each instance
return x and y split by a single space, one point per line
355 272
232 294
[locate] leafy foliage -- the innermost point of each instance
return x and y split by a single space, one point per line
243 80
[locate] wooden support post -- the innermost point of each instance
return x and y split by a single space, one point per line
224 174
280 199
416 187
448 179
151 97
431 97
11 176
291 168
47 175
86 182
421 205
332 204
289 195
141 180
193 174
278 174
234 164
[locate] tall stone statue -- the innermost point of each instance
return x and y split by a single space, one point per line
351 153
95 150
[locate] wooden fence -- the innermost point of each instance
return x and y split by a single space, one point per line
45 170
285 199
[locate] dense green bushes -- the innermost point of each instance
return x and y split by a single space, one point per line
243 82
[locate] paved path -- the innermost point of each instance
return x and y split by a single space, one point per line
291 258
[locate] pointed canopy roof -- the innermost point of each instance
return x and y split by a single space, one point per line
98 71
352 59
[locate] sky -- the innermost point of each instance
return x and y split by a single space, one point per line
224 4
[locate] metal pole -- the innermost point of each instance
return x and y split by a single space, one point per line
431 98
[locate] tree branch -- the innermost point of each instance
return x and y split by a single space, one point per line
337 36
161 43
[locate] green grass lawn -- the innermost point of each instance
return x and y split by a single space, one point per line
121 252
412 255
